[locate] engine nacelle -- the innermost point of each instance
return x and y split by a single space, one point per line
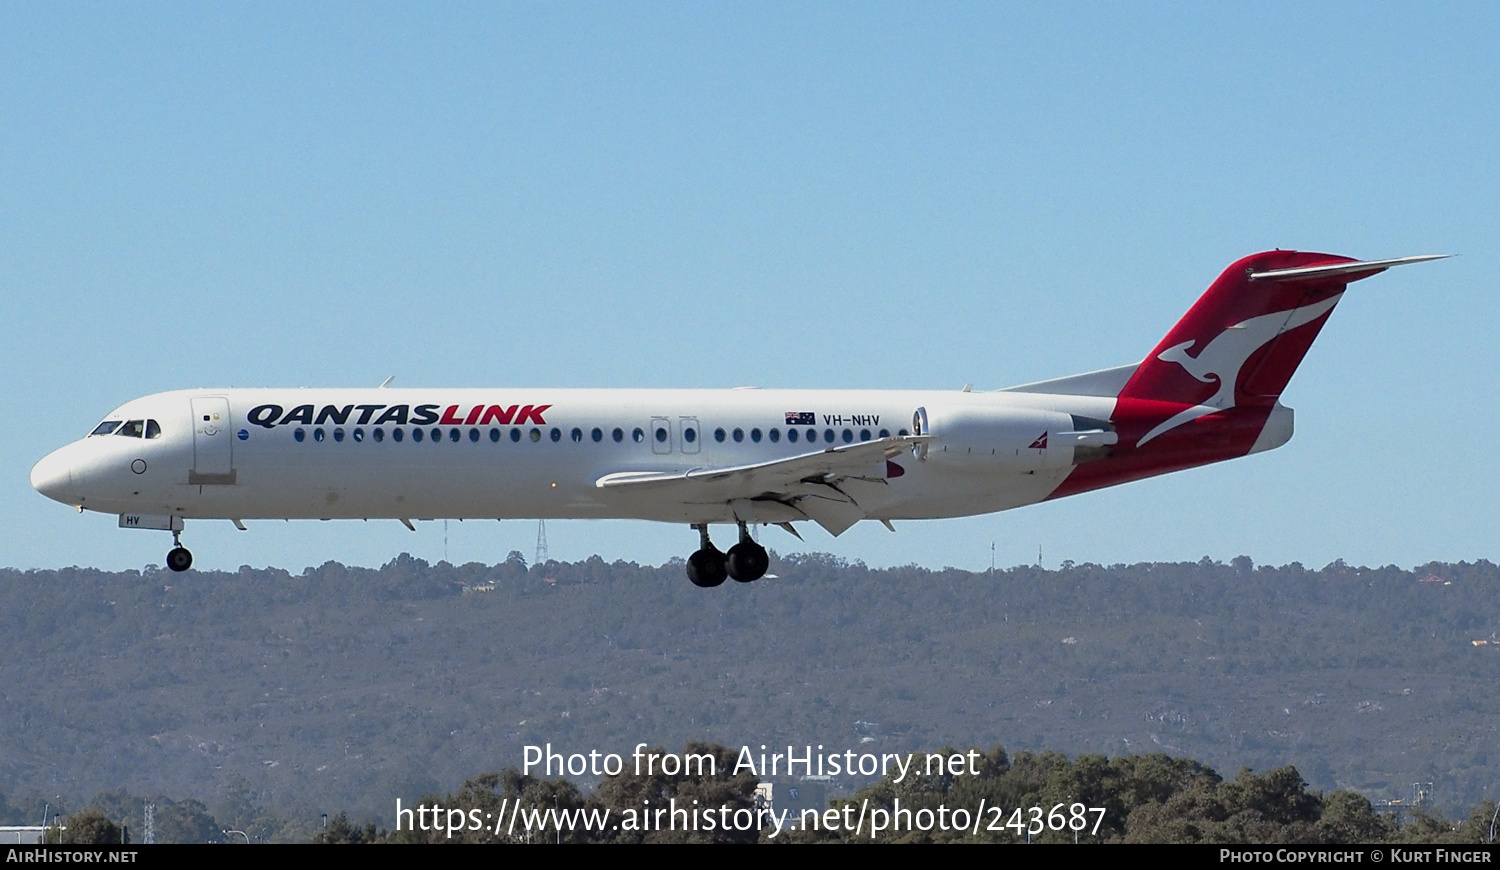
1021 438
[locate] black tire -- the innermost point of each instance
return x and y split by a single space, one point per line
179 559
706 568
748 561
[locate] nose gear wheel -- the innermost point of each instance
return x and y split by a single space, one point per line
179 559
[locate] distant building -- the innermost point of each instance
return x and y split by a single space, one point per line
807 793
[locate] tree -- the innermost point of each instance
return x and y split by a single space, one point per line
491 796
187 822
631 796
1349 818
340 831
89 827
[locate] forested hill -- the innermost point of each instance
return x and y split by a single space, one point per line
344 688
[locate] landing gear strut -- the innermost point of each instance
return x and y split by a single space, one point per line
178 558
706 567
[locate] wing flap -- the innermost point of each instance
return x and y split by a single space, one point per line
754 479
832 510
835 487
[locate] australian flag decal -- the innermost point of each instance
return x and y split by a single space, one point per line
801 418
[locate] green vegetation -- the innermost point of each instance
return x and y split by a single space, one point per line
257 700
1089 799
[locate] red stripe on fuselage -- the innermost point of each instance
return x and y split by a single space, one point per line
1213 438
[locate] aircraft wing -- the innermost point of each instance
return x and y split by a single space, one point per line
835 487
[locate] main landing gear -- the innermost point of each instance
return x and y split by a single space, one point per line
746 561
178 558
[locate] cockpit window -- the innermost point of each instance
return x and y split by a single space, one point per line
132 429
105 428
152 429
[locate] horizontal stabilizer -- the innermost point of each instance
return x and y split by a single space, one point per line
1356 269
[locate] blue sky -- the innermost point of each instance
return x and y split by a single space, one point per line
787 195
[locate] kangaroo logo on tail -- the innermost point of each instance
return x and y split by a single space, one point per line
1223 358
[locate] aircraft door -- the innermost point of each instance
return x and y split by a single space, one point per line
661 435
213 461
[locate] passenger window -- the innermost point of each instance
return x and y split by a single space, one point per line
739 435
300 435
318 434
379 434
812 436
338 434
556 434
437 435
639 435
454 435
515 435
661 434
690 435
620 435
577 435
864 434
494 435
396 434
885 433
536 435
848 437
719 434
774 435
598 434
416 435
828 435
473 436
901 432
152 429
105 428
755 435
359 434
791 435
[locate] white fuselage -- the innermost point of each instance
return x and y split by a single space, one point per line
502 453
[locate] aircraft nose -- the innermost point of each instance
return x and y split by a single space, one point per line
53 476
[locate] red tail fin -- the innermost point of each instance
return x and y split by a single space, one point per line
1241 341
1209 388
1239 344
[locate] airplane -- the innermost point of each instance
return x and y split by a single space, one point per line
1209 391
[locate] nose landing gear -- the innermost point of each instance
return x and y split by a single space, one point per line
709 567
178 558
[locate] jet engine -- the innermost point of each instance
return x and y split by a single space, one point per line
1025 439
